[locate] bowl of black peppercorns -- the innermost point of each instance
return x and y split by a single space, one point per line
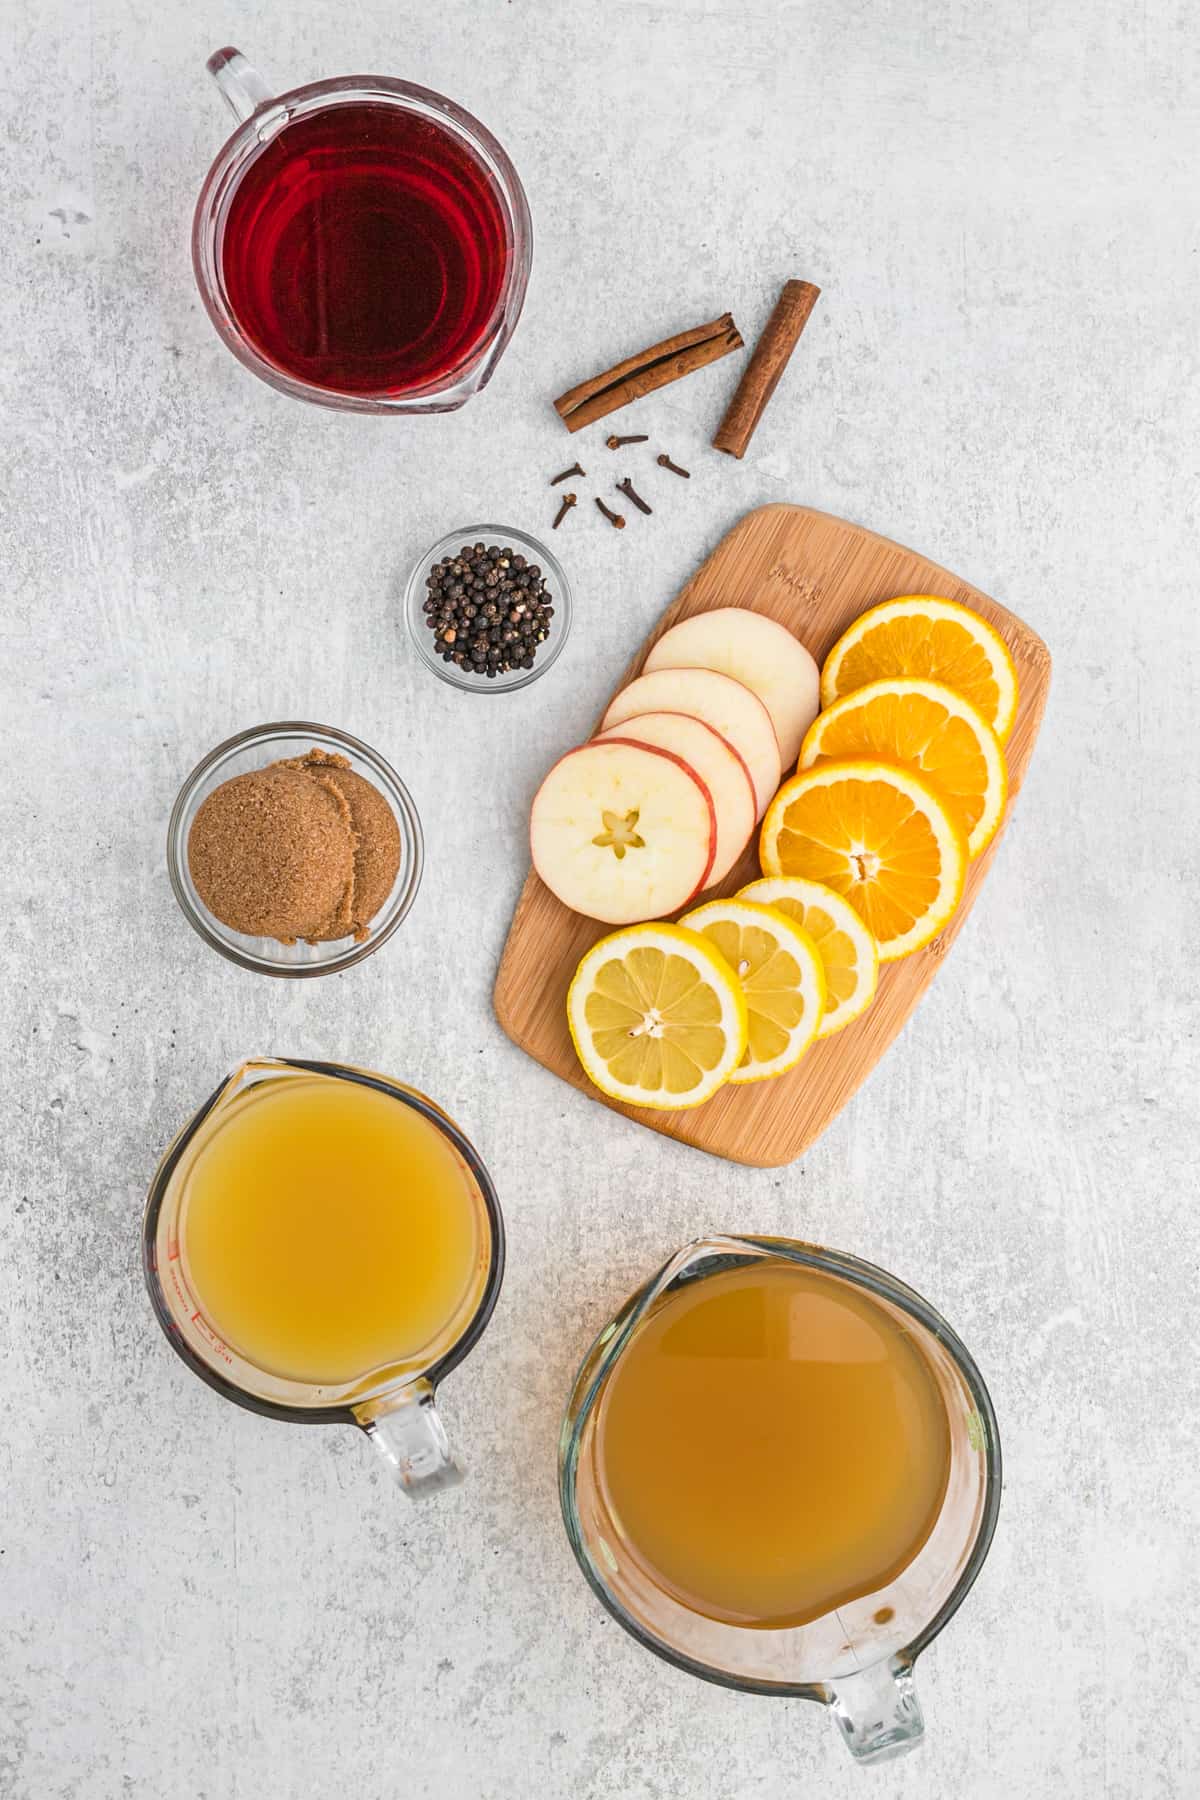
488 608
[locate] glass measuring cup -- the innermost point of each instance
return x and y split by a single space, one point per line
394 1405
362 243
858 1658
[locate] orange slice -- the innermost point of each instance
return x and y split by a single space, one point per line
920 634
880 836
925 726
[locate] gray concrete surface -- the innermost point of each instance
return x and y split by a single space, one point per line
1000 204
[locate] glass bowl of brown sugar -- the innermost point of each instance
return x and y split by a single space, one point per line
294 849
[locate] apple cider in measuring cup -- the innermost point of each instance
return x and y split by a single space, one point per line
837 1458
327 1232
324 1245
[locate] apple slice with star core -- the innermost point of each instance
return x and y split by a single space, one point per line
622 832
717 764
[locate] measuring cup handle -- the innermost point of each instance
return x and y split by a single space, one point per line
239 81
407 1432
878 1712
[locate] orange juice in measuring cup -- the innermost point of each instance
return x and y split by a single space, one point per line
323 1244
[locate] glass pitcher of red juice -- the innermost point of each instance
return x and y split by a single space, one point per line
362 242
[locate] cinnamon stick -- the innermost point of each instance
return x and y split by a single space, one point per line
767 363
649 369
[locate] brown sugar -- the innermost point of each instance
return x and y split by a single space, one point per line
377 835
303 849
272 855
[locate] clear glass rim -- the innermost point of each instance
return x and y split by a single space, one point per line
239 150
437 1371
550 651
394 791
614 1336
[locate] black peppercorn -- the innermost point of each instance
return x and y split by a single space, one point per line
488 608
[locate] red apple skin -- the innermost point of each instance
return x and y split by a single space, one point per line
668 756
675 712
765 791
714 874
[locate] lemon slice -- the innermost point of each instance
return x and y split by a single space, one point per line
880 836
928 727
940 640
781 975
845 946
657 1018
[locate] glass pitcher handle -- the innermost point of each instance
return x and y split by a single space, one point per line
878 1712
407 1432
244 89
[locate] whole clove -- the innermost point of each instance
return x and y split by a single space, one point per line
613 518
568 501
638 437
664 462
626 487
575 469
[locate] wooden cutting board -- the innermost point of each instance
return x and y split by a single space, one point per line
815 574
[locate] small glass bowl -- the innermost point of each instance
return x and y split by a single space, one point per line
556 582
254 749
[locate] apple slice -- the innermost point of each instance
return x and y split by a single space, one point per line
760 653
717 700
717 764
622 832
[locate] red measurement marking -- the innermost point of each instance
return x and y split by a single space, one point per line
214 1343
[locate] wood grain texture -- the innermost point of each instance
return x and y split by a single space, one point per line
815 574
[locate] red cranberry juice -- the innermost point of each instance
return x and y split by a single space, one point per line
365 250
